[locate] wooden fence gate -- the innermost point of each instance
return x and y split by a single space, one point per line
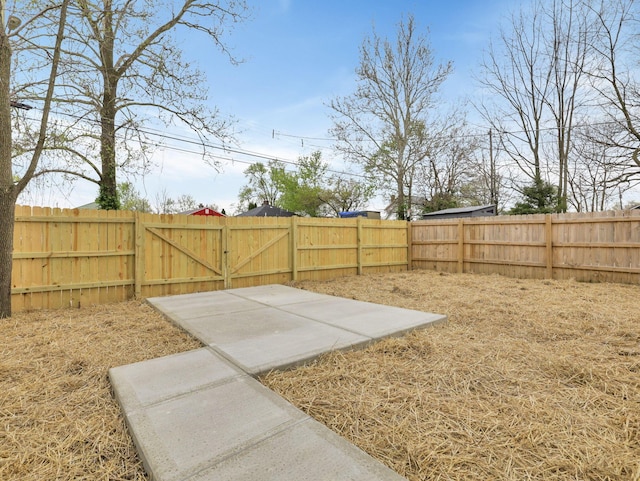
174 258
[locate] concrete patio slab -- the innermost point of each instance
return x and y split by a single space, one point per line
201 416
148 382
269 338
184 435
276 294
365 318
305 451
192 306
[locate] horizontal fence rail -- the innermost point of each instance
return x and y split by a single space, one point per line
77 257
593 247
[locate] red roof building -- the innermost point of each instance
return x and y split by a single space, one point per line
203 211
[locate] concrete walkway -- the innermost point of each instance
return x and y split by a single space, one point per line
201 415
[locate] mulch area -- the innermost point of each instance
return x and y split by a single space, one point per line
529 379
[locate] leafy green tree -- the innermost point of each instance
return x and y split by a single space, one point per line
306 190
130 198
539 198
301 189
187 202
440 202
263 184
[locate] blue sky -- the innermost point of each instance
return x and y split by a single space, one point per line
298 55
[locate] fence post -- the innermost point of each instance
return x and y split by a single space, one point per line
409 246
548 236
460 246
293 234
138 256
359 243
226 272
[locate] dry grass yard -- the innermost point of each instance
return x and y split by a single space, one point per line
58 417
528 380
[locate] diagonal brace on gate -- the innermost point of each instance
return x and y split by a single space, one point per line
184 250
259 251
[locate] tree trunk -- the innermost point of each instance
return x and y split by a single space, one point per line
401 208
7 189
108 198
7 219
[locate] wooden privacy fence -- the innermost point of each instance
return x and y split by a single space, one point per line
594 247
78 257
73 258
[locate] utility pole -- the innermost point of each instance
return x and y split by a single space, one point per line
493 185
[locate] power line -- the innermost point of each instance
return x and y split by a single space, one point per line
192 141
265 156
164 135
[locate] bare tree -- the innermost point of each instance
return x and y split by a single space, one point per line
601 171
122 66
536 71
447 168
11 185
515 71
345 195
385 125
164 203
615 40
486 174
567 46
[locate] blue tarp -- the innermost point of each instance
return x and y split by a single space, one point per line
355 213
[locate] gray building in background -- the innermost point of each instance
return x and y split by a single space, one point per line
475 211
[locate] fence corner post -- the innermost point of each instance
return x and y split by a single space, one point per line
460 246
409 246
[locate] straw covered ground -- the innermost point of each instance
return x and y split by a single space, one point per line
528 380
58 417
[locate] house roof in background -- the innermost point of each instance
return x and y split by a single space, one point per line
267 210
89 206
202 209
461 210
